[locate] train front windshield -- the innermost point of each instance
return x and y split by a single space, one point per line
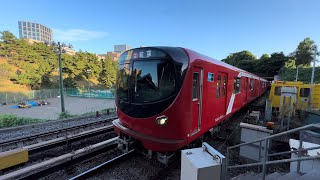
153 80
148 80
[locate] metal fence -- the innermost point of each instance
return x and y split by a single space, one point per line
14 97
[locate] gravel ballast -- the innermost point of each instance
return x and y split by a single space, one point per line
21 131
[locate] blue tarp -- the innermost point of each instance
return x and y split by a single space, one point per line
32 103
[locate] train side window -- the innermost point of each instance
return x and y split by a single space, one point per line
277 91
218 86
195 86
224 81
237 85
251 84
304 92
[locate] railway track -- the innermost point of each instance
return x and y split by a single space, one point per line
50 135
49 166
91 172
49 145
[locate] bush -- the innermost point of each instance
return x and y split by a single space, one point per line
9 120
64 115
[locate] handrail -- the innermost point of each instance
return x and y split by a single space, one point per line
289 152
276 161
265 160
278 135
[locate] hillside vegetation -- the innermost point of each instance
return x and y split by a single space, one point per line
35 66
278 63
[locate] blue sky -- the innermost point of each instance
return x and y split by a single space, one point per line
214 28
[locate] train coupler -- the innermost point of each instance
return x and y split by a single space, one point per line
164 158
125 144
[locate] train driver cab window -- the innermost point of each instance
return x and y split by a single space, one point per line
195 86
251 84
304 92
277 91
236 85
218 86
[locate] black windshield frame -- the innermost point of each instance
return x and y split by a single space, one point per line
179 59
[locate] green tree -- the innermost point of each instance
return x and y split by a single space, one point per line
264 57
270 67
36 63
304 52
235 58
108 73
7 42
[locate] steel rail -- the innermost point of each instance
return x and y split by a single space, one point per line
83 134
49 133
96 168
29 171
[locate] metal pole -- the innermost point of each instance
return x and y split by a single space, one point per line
61 80
297 73
312 78
265 159
299 152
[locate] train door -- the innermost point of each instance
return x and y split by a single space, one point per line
197 85
221 93
246 83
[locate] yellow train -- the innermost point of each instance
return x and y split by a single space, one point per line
302 96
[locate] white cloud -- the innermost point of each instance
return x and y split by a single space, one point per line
70 35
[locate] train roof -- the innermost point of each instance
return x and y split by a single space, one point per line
195 55
175 52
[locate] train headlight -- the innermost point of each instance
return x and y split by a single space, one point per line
162 120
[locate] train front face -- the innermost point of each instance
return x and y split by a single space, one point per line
148 87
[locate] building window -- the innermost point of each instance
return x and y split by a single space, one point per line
29 24
37 30
37 25
24 24
236 85
218 86
277 91
304 92
29 29
251 84
24 28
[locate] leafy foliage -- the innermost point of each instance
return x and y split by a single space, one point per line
235 58
65 115
38 62
304 52
277 63
266 66
288 74
8 120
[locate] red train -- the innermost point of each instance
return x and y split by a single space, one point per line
167 97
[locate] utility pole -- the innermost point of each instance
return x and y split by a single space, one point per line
312 77
297 73
61 80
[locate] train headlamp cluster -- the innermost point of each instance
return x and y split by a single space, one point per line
162 120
